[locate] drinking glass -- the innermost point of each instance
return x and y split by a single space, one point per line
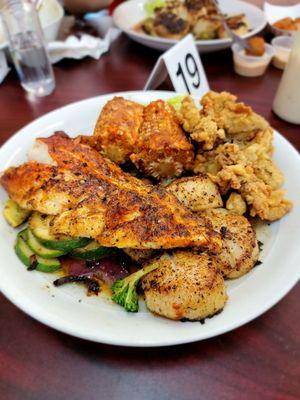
27 47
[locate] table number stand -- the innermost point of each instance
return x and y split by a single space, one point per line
183 64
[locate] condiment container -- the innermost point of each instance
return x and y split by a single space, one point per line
287 99
282 46
251 66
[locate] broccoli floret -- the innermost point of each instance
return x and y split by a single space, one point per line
124 290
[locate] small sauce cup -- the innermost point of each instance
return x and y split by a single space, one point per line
251 66
282 46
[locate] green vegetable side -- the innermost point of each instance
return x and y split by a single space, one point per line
92 251
39 250
14 214
39 224
125 290
152 5
30 259
176 102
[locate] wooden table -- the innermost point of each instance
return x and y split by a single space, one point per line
257 361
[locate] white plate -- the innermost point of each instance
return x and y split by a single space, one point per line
96 318
129 13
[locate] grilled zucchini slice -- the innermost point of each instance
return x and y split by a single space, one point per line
39 249
92 251
14 214
39 225
30 259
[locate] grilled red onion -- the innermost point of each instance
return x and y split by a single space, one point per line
108 269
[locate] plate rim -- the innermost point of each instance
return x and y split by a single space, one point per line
37 315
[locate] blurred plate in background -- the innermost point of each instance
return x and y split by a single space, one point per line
130 13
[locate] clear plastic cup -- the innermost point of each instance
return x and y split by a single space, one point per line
27 46
251 66
282 46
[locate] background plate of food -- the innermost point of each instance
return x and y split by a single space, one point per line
283 20
213 183
160 24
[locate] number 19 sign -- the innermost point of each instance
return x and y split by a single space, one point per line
184 67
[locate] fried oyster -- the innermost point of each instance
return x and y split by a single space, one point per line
263 201
202 128
235 148
238 120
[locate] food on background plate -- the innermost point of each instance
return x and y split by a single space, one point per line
237 23
172 227
173 19
287 24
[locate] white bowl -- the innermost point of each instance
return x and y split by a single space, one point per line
130 13
51 14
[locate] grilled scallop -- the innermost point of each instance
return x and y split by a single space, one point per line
197 193
186 285
240 249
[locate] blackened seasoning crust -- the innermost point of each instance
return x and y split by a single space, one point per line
195 5
171 21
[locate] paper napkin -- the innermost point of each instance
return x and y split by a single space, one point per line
84 46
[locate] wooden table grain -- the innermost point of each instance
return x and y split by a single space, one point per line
257 361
